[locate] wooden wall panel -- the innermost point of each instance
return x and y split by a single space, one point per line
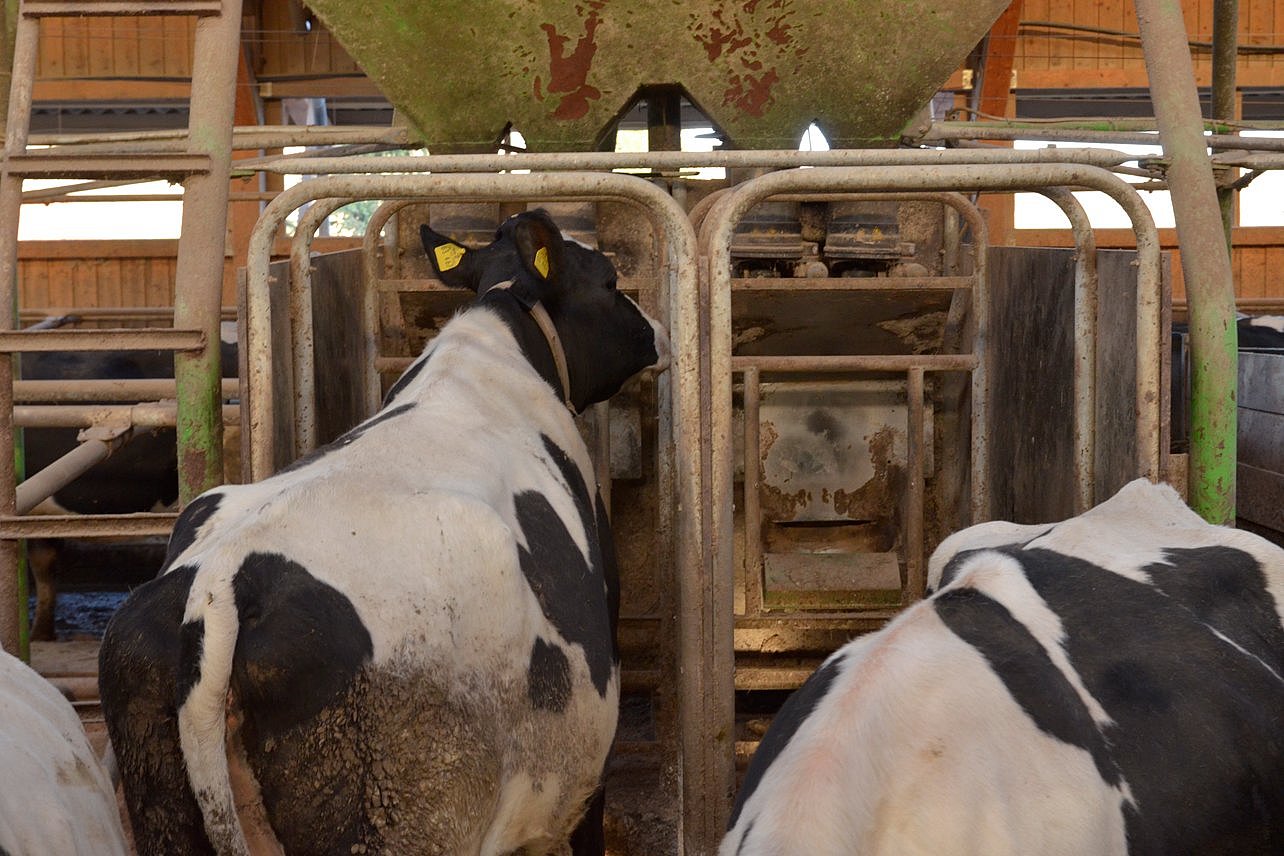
108 48
69 275
1257 256
1051 57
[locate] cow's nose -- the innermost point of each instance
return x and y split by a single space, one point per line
663 350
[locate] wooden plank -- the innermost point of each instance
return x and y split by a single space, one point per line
133 282
1000 50
1030 371
52 43
109 90
109 287
160 278
1253 272
100 36
125 46
1033 52
35 280
151 46
76 47
1060 51
140 248
84 284
338 338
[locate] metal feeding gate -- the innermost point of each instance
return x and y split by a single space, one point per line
846 442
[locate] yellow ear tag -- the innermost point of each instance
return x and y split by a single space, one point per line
448 256
541 261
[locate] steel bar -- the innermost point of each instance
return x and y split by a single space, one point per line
915 441
17 125
683 472
1224 101
13 527
370 302
857 363
970 131
302 336
755 584
132 339
37 488
160 414
56 391
1205 260
244 138
119 313
1085 347
673 160
198 288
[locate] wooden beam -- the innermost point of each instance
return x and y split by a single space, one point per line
1000 54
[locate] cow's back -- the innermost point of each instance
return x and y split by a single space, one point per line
57 797
1111 684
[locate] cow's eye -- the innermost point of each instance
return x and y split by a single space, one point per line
610 284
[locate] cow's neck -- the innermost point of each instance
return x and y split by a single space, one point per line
539 343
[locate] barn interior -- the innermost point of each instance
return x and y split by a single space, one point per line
1006 283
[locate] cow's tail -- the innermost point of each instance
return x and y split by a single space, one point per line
208 640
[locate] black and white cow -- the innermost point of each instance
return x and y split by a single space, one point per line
1260 331
1110 684
56 796
414 627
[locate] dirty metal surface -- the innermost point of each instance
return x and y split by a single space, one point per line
561 72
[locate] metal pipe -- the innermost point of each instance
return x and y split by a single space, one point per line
915 568
1225 54
674 160
370 298
301 322
198 289
970 131
62 472
26 42
140 339
244 137
140 525
1205 260
755 584
147 389
1085 347
857 363
161 414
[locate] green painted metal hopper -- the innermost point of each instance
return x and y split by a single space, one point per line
561 72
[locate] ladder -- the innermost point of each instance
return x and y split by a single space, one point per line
203 168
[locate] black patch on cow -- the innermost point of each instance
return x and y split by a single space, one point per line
1197 723
1226 589
572 593
793 713
299 646
952 568
404 381
589 836
137 676
189 524
744 839
548 677
1025 668
191 641
611 573
350 437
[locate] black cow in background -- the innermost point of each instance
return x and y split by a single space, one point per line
140 476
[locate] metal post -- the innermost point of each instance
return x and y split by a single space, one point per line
1205 261
198 290
1225 51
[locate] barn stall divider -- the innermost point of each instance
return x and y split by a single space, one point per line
697 414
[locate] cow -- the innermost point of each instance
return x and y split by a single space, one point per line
57 797
142 475
1110 684
1260 332
411 630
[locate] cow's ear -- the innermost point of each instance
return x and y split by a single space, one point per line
539 246
452 262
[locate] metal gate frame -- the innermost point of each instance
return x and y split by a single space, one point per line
696 481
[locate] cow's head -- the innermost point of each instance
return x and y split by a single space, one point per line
605 336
